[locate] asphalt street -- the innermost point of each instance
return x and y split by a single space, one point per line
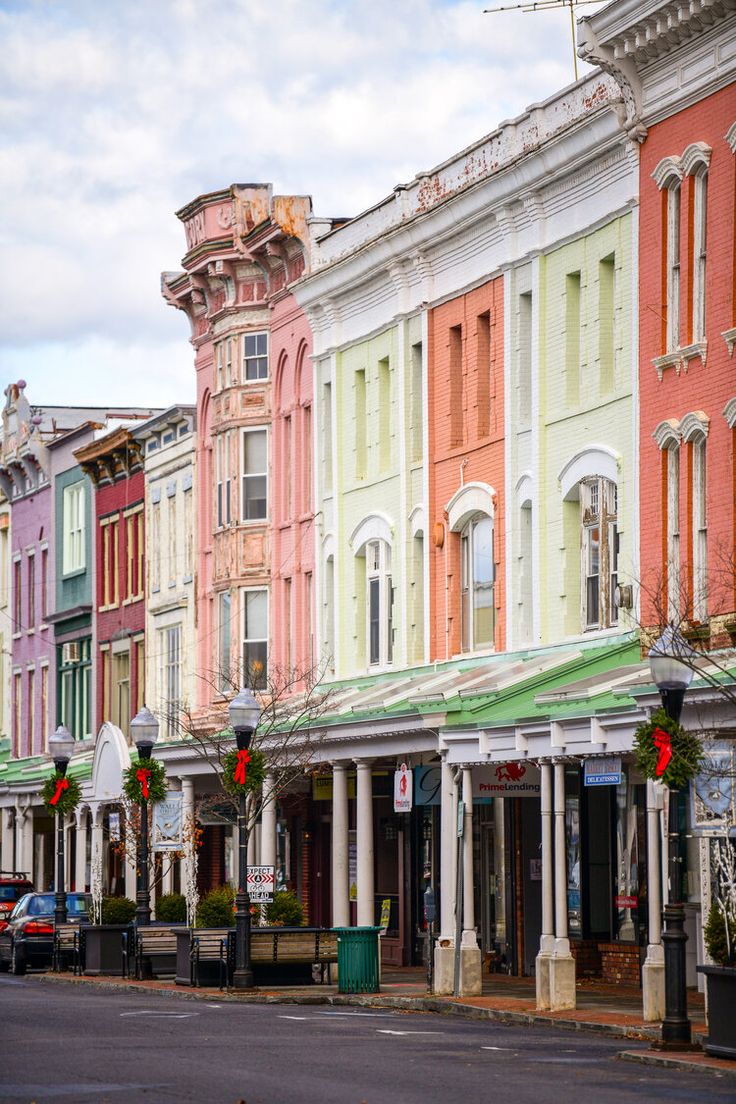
67 1043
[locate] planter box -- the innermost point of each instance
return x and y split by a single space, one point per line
103 948
721 982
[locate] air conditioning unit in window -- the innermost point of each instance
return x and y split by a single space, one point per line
70 652
623 596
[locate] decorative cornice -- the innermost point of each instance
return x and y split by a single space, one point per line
729 413
680 358
695 423
731 137
667 433
668 171
696 156
729 336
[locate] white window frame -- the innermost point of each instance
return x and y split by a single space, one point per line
700 528
379 598
170 676
470 588
673 265
254 359
224 640
700 188
599 531
74 558
261 682
245 476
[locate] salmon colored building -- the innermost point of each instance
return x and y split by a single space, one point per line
465 413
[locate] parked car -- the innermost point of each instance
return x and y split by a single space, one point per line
13 885
27 937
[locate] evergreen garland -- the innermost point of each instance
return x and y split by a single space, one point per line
69 793
133 785
687 751
255 772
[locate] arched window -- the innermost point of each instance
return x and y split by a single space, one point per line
668 177
380 602
477 577
600 544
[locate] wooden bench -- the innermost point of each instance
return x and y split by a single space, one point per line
209 946
151 947
67 948
294 946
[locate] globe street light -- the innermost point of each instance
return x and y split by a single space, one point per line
671 664
245 713
61 747
144 731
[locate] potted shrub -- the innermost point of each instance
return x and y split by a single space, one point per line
103 943
720 943
171 909
285 911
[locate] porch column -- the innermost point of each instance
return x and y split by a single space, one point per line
68 830
364 840
547 941
25 854
80 867
131 855
652 974
252 834
340 865
96 876
444 953
471 981
562 964
188 862
8 841
268 822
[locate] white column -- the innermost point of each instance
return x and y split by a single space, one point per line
340 866
364 840
40 877
251 832
562 964
468 888
547 941
448 850
652 974
96 855
131 851
25 854
268 822
80 872
7 855
68 830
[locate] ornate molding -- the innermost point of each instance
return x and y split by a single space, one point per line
667 433
729 336
669 170
680 358
695 423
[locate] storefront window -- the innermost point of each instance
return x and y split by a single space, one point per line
572 836
629 834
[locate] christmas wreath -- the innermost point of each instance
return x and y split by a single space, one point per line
145 781
61 793
243 771
665 752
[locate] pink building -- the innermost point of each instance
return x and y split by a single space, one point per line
254 387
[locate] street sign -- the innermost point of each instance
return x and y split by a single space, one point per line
603 772
261 883
402 789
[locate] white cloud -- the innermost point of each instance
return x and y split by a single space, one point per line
116 115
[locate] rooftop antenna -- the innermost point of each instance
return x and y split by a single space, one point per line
548 5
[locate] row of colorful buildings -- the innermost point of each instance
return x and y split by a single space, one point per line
448 460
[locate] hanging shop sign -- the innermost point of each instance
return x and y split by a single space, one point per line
403 790
261 883
113 826
713 791
489 780
603 772
166 832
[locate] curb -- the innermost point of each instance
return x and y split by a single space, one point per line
405 1004
669 1061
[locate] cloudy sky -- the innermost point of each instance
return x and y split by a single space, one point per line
114 115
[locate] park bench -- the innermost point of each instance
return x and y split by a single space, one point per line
278 955
208 947
152 951
285 948
67 947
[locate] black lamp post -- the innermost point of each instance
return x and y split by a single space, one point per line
61 746
144 730
670 661
245 713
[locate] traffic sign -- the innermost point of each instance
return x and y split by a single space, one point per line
261 883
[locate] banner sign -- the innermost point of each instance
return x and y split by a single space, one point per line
402 790
713 791
166 827
113 824
261 883
603 772
489 780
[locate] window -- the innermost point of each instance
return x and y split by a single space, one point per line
700 529
307 459
326 438
140 674
672 275
44 584
74 682
255 356
188 533
255 638
44 706
477 577
417 404
672 567
121 690
105 679
289 619
572 338
417 599
524 575
218 367
73 558
140 550
361 425
308 601
17 595
380 601
18 711
255 474
155 564
169 651
134 550
699 192
600 544
228 362
4 539
110 553
224 680
288 475
31 591
483 373
524 390
384 414
456 386
173 540
328 603
606 326
31 710
222 476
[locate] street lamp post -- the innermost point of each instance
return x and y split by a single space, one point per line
61 746
144 730
245 712
670 661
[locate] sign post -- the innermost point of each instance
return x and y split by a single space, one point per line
261 883
403 790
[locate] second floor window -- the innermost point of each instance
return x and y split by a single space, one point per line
255 357
73 507
380 600
477 578
255 475
673 268
255 638
600 543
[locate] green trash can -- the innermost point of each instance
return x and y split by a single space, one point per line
357 960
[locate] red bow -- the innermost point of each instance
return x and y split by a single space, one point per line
663 744
143 774
61 784
243 758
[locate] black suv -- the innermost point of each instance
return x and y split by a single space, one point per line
27 939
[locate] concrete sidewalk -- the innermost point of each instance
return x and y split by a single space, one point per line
610 1010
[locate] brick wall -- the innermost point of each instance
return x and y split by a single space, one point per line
620 964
